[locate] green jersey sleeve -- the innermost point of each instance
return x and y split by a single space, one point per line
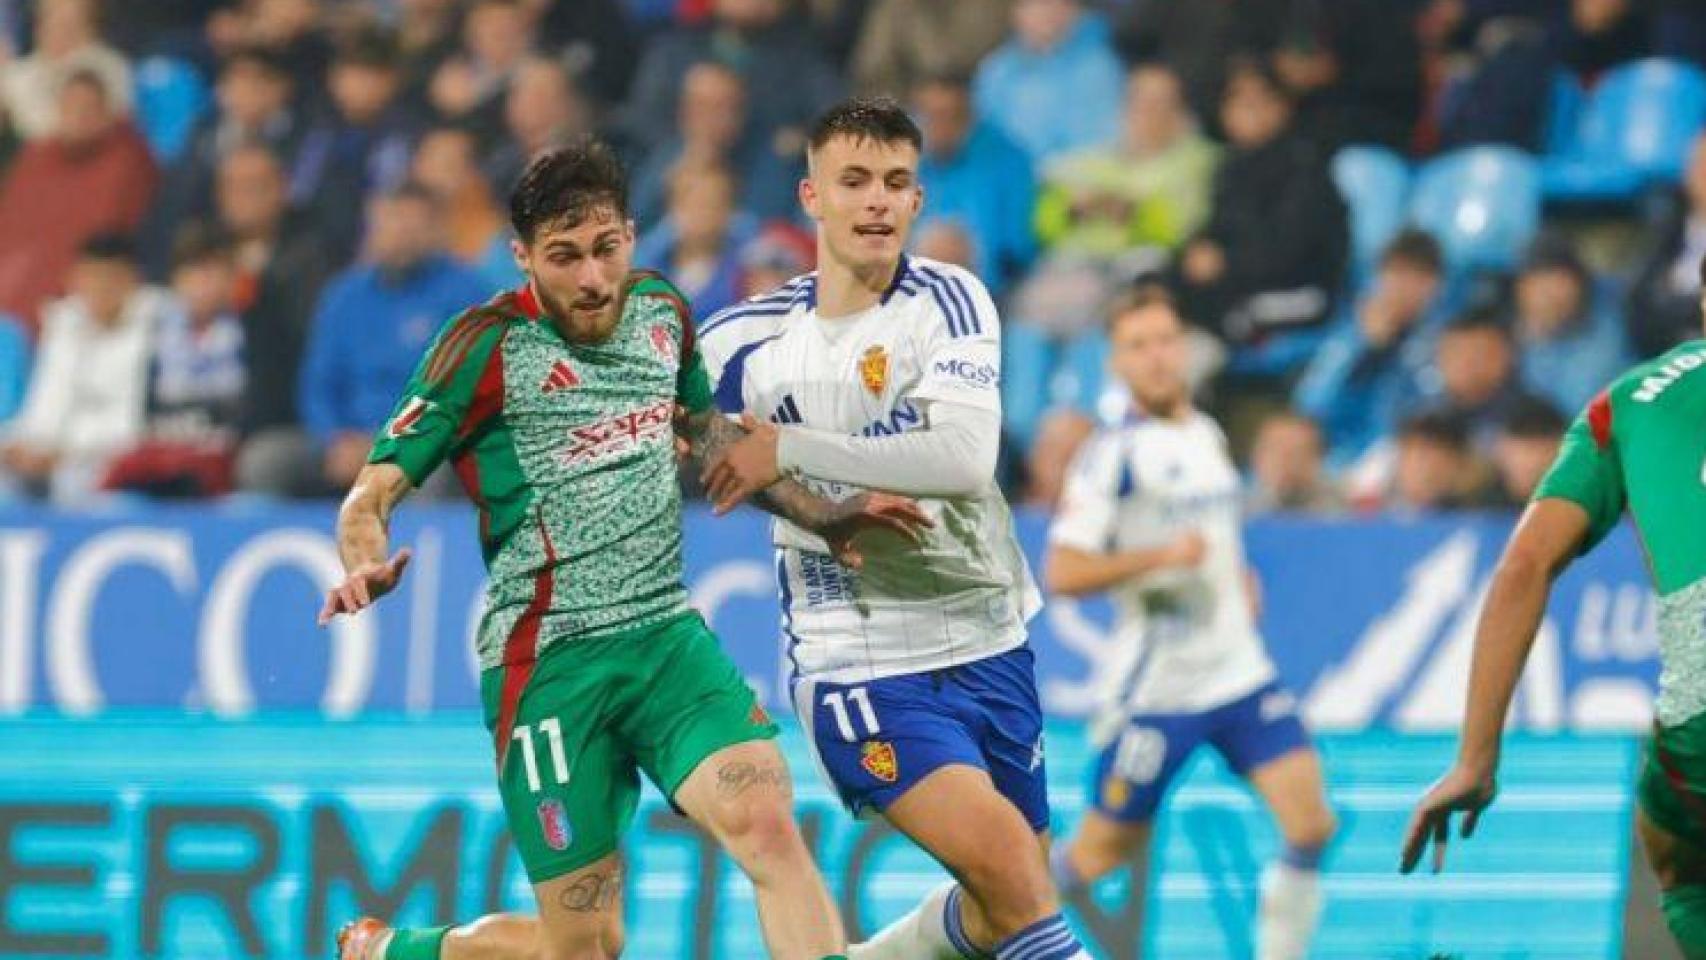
1588 471
692 381
456 389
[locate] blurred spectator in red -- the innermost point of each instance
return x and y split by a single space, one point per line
93 175
360 144
598 40
543 108
1664 302
371 326
67 42
1288 467
1270 258
1126 206
1056 85
973 173
254 99
1436 469
1593 36
712 129
788 81
1060 434
476 229
779 253
1570 344
905 42
280 267
86 396
498 36
196 377
1527 444
698 243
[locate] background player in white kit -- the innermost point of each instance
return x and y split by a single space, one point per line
1150 513
912 676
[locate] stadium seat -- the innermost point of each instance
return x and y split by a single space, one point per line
170 97
1634 130
1481 203
1375 183
1563 115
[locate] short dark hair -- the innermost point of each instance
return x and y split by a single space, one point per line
1436 426
950 77
200 241
1531 418
563 185
1260 70
1414 247
266 58
1485 318
109 248
865 118
372 49
1140 296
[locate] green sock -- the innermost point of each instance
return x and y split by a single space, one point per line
1685 914
415 943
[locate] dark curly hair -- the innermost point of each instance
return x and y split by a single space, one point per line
564 185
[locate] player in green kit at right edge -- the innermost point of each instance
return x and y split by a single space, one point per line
1640 446
558 405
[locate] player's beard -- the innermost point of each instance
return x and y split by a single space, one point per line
578 326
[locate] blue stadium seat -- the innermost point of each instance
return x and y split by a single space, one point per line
170 97
1634 130
1563 115
1481 203
1375 183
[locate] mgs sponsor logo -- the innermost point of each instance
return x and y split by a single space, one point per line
980 375
617 434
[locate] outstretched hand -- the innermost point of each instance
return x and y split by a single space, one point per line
364 585
899 515
1461 790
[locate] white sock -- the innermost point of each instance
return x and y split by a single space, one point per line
1290 910
921 934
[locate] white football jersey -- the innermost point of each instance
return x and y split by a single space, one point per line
1187 639
966 593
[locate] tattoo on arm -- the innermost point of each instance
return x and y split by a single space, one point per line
593 893
734 779
709 433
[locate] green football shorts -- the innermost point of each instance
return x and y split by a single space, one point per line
1672 792
594 713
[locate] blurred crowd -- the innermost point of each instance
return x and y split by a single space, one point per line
228 228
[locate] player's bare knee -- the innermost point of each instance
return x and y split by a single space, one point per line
760 833
1314 832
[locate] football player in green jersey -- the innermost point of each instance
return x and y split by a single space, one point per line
1640 448
558 406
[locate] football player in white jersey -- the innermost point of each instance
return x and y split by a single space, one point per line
1150 514
911 675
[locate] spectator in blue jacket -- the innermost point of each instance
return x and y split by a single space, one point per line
1371 364
1056 85
698 244
974 174
373 322
1569 335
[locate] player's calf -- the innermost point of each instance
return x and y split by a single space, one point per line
744 796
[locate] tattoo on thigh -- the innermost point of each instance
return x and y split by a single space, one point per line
734 779
593 893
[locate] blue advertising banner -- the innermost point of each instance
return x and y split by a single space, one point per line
160 836
1370 621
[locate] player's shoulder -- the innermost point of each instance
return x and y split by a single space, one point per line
1650 379
952 296
757 316
654 285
